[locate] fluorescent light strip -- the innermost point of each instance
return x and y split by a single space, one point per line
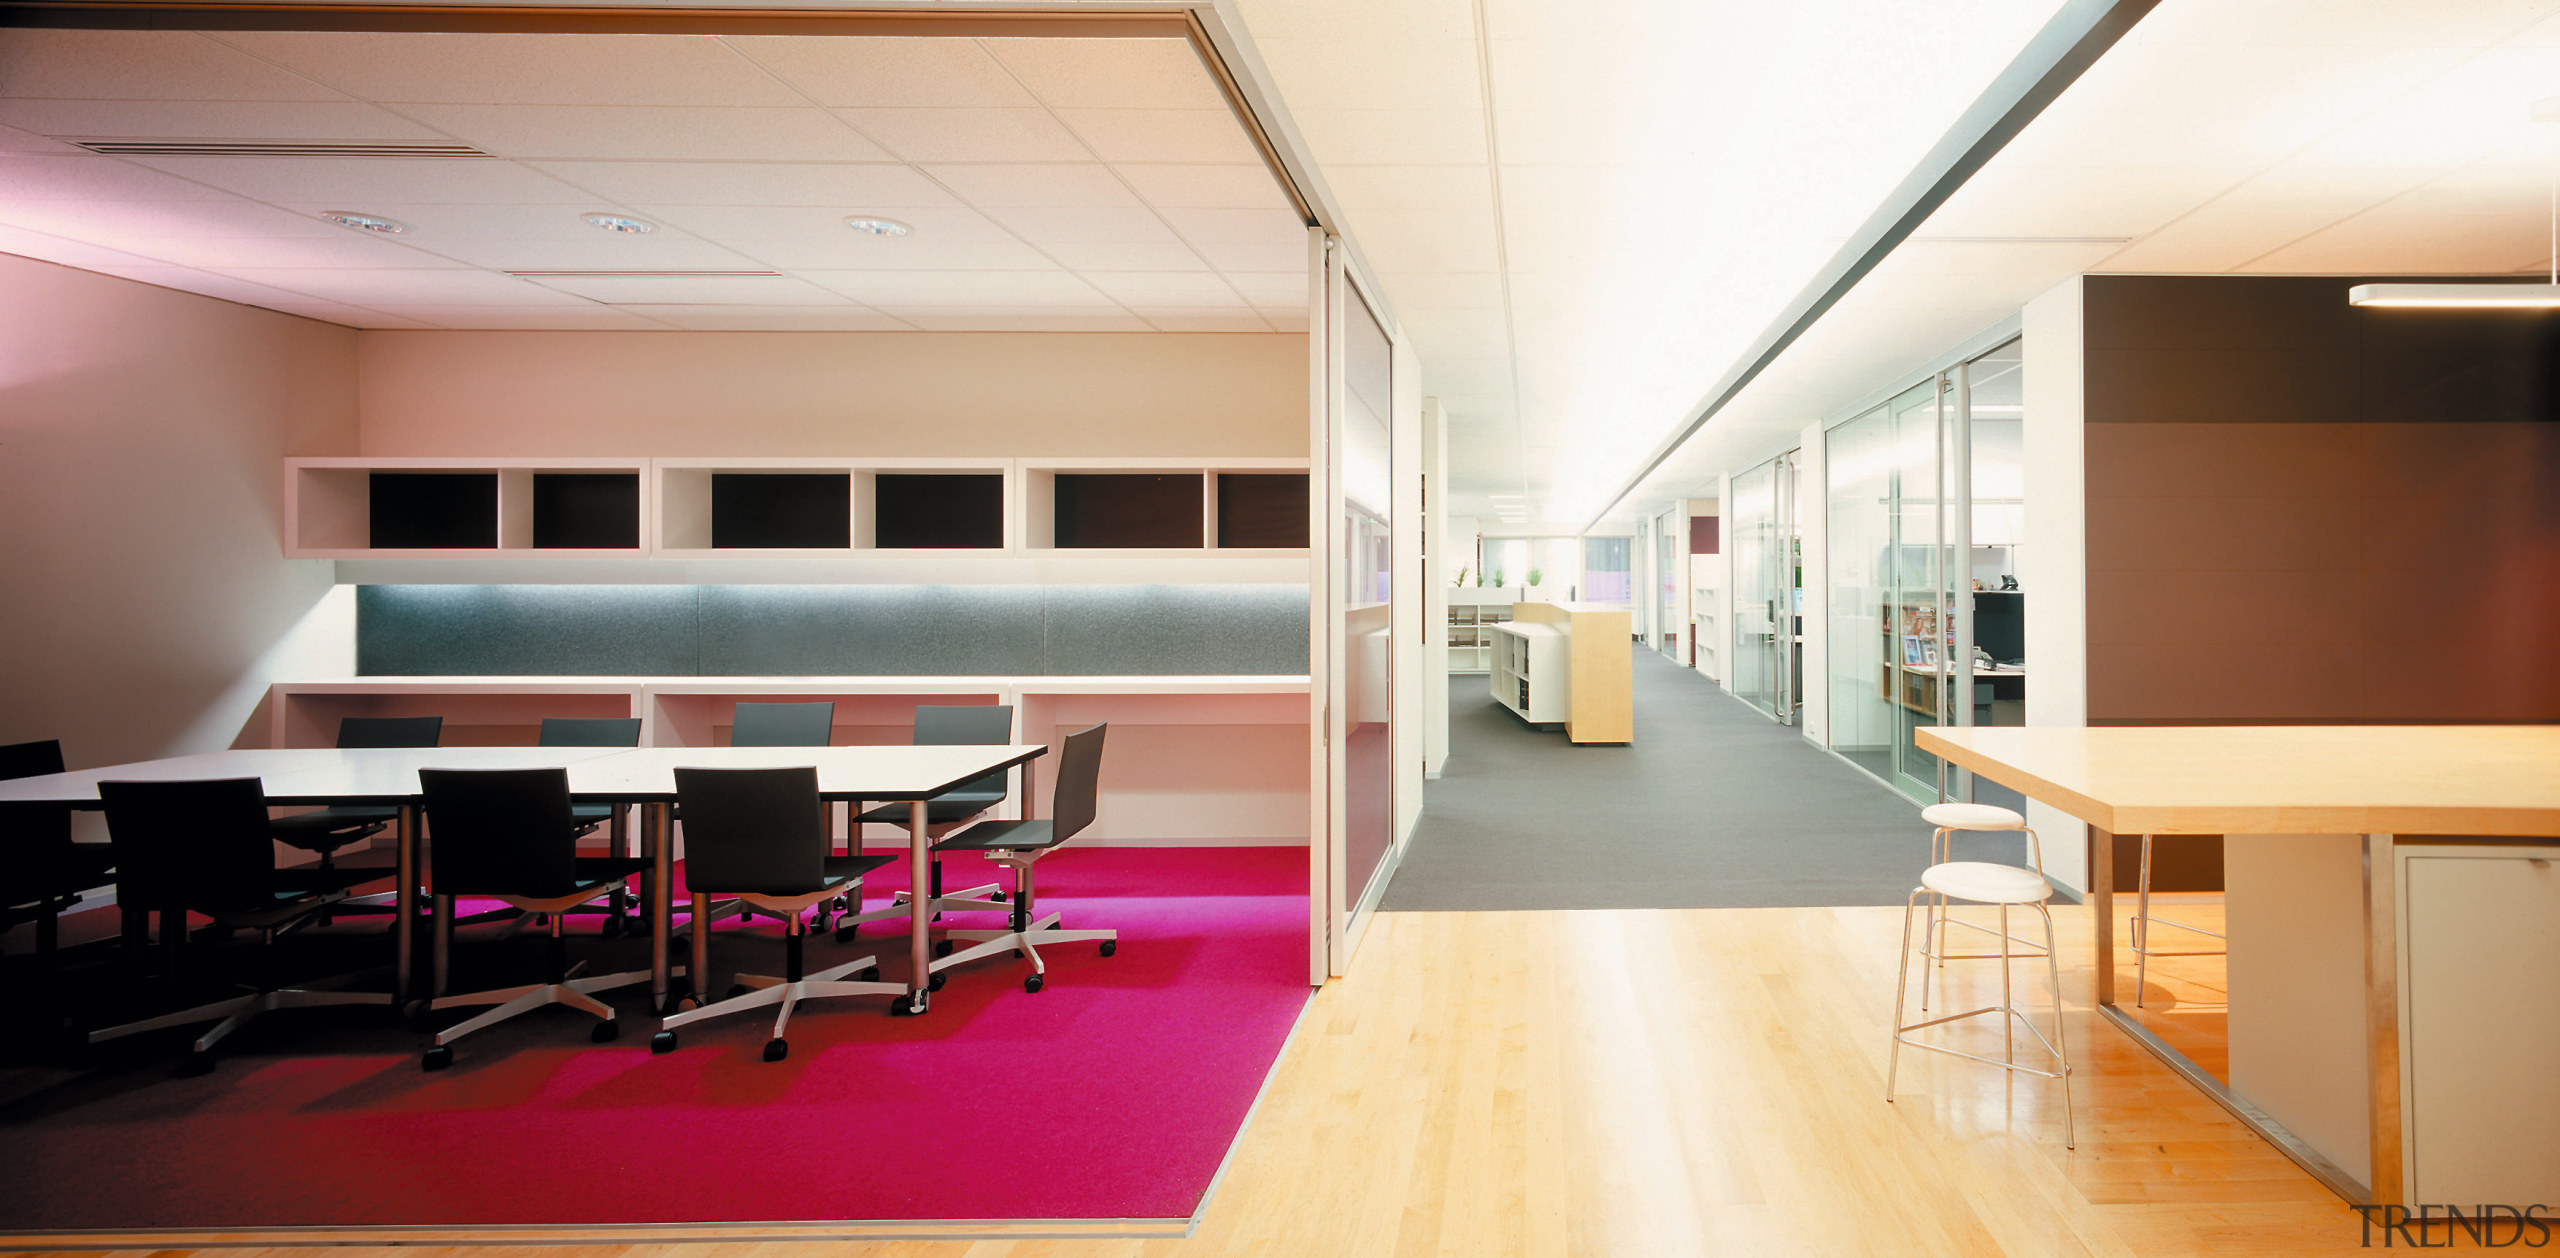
2490 296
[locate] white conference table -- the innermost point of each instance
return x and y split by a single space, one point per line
644 776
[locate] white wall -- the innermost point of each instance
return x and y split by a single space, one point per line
142 433
2053 565
1813 521
1415 592
1724 585
886 394
1449 552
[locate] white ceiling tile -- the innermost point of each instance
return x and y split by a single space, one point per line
1445 290
1396 137
1359 188
2020 200
792 237
849 186
1176 319
1042 185
969 135
1197 289
359 287
141 65
1429 241
650 133
892 71
1032 319
692 290
580 317
1285 320
1111 73
13 140
1379 74
896 289
1272 288
848 318
605 251
1241 225
1163 135
522 69
110 221
28 243
1252 255
437 225
1082 224
2258 217
1125 255
82 176
210 120
1389 23
1231 186
352 182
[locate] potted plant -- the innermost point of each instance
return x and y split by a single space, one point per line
1534 574
1497 577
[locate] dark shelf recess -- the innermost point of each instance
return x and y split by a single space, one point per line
586 511
434 511
925 511
782 510
1122 509
1262 509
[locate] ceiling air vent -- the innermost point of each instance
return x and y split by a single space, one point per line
646 275
276 148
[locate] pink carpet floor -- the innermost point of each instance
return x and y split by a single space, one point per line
1115 1093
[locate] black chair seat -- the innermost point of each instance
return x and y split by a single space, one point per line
835 872
64 870
942 810
1006 836
343 823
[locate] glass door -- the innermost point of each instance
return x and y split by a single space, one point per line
1755 587
1916 603
1666 581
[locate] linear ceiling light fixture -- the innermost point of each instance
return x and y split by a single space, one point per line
374 149
644 275
2494 295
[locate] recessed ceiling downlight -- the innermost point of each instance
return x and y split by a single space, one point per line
620 223
877 226
364 222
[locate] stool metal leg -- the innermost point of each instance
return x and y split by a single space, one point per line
1901 977
2008 1024
2140 930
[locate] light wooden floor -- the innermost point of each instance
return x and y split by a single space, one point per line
1689 1082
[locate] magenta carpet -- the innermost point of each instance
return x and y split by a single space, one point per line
1115 1093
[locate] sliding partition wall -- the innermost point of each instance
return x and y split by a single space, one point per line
1926 518
1764 548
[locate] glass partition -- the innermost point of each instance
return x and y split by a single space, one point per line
1860 505
1606 575
1368 586
1757 591
1666 584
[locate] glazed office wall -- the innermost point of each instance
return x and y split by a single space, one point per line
141 430
2303 512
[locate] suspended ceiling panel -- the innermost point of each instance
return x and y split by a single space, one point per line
1066 183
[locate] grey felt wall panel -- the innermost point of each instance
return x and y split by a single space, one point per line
832 630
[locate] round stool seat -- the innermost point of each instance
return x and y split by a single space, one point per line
1985 883
1972 817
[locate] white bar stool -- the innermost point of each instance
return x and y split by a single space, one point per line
2004 885
1974 818
2143 921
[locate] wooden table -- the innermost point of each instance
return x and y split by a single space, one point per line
2386 786
388 777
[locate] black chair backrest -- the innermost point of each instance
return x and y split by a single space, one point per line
589 731
969 725
500 831
357 732
190 844
753 830
783 724
44 825
1079 781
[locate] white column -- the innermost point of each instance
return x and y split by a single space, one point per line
1813 521
1448 553
2053 562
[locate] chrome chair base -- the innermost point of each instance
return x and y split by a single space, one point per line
2011 1017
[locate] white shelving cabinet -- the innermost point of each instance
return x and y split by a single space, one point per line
1473 611
1533 671
328 506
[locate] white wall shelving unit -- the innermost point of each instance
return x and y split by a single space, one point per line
1473 610
1705 632
1533 671
328 506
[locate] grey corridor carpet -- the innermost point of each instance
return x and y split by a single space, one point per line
1712 806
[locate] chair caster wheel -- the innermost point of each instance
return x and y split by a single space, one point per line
1110 946
935 983
605 1032
942 949
1033 983
871 974
776 1050
437 1058
195 1065
736 990
662 1043
996 896
844 934
613 928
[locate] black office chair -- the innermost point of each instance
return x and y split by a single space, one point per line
783 724
506 834
203 847
971 725
326 830
600 731
760 836
42 872
1017 844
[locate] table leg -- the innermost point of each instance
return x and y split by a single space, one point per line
2382 1015
662 883
2102 908
919 911
404 906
